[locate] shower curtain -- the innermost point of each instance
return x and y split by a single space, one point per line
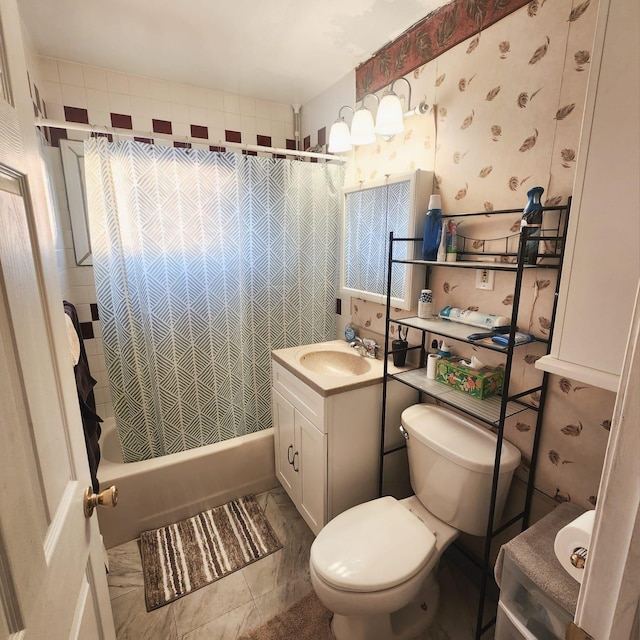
203 263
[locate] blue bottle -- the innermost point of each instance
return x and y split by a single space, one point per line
432 229
532 217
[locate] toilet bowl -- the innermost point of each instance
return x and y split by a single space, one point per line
374 564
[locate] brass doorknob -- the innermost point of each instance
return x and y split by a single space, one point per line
106 498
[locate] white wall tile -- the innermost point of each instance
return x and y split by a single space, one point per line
247 107
197 97
159 90
182 129
55 110
231 104
198 115
119 103
263 109
142 107
161 110
70 73
248 128
263 126
73 96
94 78
215 119
179 112
179 92
117 82
233 122
50 92
139 86
48 70
143 124
97 100
215 100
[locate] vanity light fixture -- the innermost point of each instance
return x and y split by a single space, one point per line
390 116
362 127
339 135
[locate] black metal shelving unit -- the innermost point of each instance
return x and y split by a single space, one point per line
492 411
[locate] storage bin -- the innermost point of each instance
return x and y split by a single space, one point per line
479 383
535 611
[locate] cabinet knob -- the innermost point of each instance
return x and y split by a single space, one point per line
296 469
289 458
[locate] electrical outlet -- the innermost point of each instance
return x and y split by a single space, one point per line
484 279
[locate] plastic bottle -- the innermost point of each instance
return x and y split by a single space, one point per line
425 304
442 247
532 217
432 229
452 242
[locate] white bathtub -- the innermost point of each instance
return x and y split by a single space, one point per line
154 493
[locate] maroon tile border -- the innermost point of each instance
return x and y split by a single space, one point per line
144 140
162 126
249 153
75 114
181 145
99 134
429 38
198 131
263 141
322 136
232 136
306 143
217 149
291 144
86 329
56 135
121 121
94 311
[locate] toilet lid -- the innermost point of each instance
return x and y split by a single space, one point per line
374 546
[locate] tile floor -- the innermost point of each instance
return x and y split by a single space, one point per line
235 604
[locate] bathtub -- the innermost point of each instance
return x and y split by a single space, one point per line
157 492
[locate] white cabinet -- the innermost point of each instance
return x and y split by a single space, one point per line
301 454
602 259
328 447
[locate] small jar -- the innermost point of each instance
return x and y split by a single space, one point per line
425 304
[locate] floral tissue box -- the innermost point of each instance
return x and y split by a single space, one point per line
479 383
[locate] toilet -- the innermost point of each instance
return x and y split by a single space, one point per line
374 565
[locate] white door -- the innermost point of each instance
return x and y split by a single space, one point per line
52 575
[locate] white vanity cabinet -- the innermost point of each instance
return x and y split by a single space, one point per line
327 448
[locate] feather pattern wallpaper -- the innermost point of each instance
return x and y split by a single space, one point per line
505 115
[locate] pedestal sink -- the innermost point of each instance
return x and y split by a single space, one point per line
335 363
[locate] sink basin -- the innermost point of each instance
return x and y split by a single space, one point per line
335 363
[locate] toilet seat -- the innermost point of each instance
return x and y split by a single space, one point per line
372 547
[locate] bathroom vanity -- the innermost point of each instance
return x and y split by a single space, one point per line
326 417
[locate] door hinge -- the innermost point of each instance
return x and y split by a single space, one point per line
574 632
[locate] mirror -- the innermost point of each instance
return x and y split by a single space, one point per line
397 204
73 167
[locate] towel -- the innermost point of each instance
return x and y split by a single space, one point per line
74 341
84 384
532 552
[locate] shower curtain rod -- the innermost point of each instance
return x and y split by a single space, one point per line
78 126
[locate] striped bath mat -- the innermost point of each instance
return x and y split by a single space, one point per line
192 553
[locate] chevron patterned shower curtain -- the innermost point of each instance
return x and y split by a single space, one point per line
204 262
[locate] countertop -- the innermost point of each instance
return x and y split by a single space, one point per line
330 384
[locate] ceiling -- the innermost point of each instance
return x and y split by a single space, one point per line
286 51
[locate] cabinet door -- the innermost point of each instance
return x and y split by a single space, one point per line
311 463
284 424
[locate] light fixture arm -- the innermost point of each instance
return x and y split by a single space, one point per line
408 84
346 106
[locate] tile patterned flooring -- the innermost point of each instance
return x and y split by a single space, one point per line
245 599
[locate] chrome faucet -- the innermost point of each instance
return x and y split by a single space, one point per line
366 348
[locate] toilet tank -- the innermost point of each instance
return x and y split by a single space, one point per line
451 464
